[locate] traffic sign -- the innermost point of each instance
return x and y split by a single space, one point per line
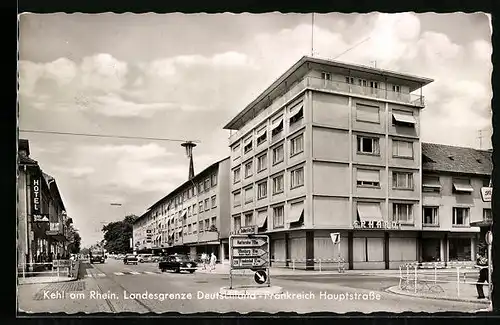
248 242
246 263
489 238
260 276
248 252
248 230
335 237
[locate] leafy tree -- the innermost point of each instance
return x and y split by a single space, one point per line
74 245
117 235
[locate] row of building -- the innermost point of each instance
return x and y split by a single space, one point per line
43 227
332 147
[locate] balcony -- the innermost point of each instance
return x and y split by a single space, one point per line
333 86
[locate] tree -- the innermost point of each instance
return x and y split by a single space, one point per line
74 245
117 235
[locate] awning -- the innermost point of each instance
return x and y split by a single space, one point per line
261 132
366 175
277 124
403 118
369 212
247 141
179 230
261 218
463 187
183 214
296 211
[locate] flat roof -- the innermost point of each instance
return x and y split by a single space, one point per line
418 81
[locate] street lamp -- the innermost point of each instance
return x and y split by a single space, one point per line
189 145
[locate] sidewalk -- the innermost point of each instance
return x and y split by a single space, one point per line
41 278
443 291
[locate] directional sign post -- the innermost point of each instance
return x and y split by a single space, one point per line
336 242
250 251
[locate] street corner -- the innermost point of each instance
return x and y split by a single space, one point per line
398 291
250 291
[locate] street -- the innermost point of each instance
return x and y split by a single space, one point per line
115 287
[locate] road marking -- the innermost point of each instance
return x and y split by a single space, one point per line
119 273
135 273
149 272
101 274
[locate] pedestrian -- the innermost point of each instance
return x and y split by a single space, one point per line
482 265
204 258
213 260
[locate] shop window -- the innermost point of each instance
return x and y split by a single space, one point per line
460 249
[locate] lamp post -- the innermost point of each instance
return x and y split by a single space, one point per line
189 145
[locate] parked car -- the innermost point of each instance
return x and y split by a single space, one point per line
130 259
177 263
155 259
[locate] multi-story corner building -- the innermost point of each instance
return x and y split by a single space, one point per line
41 219
192 219
451 183
331 147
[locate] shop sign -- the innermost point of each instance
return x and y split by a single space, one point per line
486 193
376 225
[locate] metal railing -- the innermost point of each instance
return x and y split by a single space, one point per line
335 86
56 268
439 278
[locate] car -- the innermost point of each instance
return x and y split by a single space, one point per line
177 263
156 259
130 259
144 258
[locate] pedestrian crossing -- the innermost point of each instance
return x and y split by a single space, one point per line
94 273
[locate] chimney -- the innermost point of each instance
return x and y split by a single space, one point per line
189 145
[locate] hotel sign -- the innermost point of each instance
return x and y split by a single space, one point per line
36 200
486 193
376 225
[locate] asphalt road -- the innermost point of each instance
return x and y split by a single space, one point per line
190 293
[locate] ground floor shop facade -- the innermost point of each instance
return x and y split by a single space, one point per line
369 249
219 248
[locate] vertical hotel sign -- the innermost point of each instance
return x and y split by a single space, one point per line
36 200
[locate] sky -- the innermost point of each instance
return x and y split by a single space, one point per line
180 76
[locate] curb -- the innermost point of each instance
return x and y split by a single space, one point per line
45 282
249 291
403 293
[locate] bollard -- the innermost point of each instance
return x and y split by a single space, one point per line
293 265
416 266
320 264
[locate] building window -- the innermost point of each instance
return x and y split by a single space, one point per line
277 127
214 180
236 151
237 199
368 178
367 113
297 145
368 145
373 84
189 229
487 216
462 186
431 216
349 80
200 188
278 154
279 217
200 208
195 227
194 209
461 216
249 195
262 190
207 225
262 138
297 117
403 118
326 76
248 147
278 184
207 184
403 149
213 222
249 169
214 201
431 184
402 181
236 175
249 219
262 162
236 224
207 207
402 213
396 88
200 227
297 177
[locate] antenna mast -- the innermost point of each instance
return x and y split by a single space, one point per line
312 34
